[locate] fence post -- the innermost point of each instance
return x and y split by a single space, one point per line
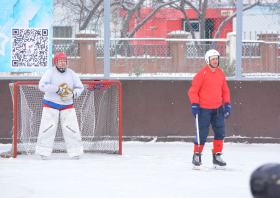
269 59
238 51
87 52
178 49
231 47
107 36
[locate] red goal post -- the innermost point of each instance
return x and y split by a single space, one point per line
99 114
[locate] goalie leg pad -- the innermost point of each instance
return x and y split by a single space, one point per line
71 132
47 131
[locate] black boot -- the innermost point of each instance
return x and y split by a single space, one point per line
218 161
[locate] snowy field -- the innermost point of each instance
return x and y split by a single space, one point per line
156 170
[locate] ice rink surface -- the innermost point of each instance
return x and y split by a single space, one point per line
161 170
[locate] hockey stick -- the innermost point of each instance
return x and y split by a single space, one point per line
198 142
197 136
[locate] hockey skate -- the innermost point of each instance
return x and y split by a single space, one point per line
218 162
196 164
43 157
76 157
195 161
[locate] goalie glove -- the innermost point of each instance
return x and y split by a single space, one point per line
62 88
68 95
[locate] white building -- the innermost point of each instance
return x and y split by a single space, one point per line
65 24
258 20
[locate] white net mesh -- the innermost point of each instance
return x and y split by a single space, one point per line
97 113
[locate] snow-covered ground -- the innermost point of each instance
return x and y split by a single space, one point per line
160 170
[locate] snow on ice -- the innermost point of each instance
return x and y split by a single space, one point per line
157 170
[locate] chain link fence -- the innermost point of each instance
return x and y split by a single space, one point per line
154 39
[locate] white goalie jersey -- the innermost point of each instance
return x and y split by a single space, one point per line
52 79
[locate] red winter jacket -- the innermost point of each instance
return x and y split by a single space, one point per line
209 88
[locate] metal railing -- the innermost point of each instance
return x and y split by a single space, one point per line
260 59
160 58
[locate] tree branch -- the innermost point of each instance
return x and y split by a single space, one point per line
202 19
129 15
139 25
89 17
193 7
187 18
124 7
231 17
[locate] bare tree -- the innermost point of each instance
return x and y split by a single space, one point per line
274 7
131 11
88 14
200 8
217 34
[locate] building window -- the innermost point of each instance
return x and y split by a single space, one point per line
62 31
194 24
62 45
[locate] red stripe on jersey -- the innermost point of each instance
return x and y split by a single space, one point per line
68 107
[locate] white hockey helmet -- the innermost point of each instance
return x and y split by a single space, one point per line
211 53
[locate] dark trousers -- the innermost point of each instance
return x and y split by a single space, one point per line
215 117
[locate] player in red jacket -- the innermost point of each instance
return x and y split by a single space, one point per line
209 89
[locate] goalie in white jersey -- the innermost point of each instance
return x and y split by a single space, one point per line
60 85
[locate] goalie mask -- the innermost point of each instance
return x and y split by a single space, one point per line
60 61
211 54
265 181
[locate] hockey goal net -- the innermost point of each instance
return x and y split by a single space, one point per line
98 112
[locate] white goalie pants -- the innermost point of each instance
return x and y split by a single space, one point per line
70 130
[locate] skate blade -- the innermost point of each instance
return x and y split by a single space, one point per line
217 167
43 157
201 168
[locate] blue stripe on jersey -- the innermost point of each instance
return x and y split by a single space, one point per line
54 105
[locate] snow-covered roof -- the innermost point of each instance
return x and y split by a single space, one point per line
180 32
231 33
270 32
87 32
